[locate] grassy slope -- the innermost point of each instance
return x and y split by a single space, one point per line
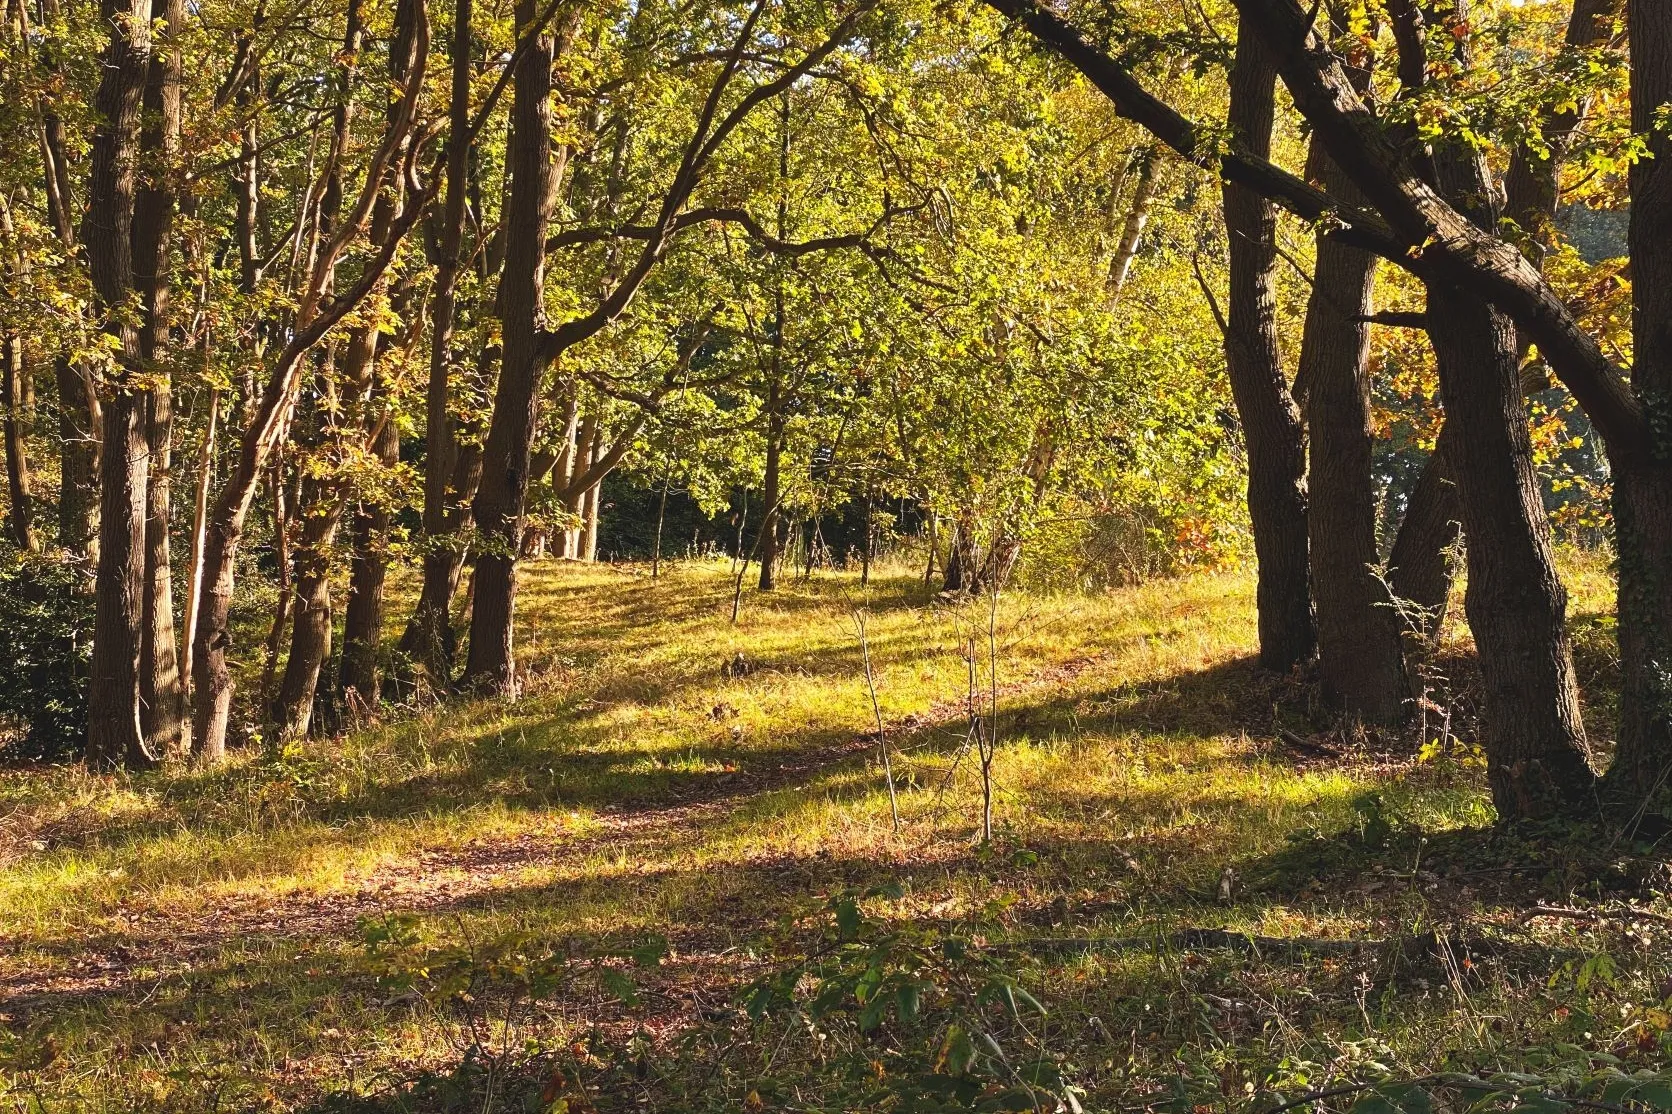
185 940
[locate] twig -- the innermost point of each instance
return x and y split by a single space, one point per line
876 709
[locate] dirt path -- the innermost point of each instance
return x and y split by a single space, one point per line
151 948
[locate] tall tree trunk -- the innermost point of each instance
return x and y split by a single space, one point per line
21 512
1360 659
314 318
114 735
200 514
498 506
79 410
589 522
428 639
368 560
1270 420
1533 734
1643 484
161 711
575 492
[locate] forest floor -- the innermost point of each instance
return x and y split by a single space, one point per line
557 904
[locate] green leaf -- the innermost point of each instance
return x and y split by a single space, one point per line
651 952
618 984
848 918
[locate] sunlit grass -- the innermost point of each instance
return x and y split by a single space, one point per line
642 785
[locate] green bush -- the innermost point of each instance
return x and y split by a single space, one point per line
46 627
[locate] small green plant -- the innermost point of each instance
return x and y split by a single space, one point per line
912 1019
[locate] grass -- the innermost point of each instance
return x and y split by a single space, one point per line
259 936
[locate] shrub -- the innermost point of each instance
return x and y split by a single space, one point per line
46 625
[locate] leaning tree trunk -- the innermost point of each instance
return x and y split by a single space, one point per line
1643 484
1360 659
1532 731
1422 563
498 507
114 735
1137 216
428 639
1270 420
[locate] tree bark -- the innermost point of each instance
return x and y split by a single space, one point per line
1270 420
368 558
498 507
1421 565
114 734
200 514
1532 731
1643 486
1360 659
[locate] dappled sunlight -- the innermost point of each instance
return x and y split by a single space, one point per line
641 789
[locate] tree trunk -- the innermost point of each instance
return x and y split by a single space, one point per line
1643 485
498 506
1421 565
661 516
1360 659
1270 420
1532 731
310 635
870 534
769 488
368 570
161 712
161 708
428 638
1137 216
574 493
314 318
21 512
78 463
200 514
114 735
